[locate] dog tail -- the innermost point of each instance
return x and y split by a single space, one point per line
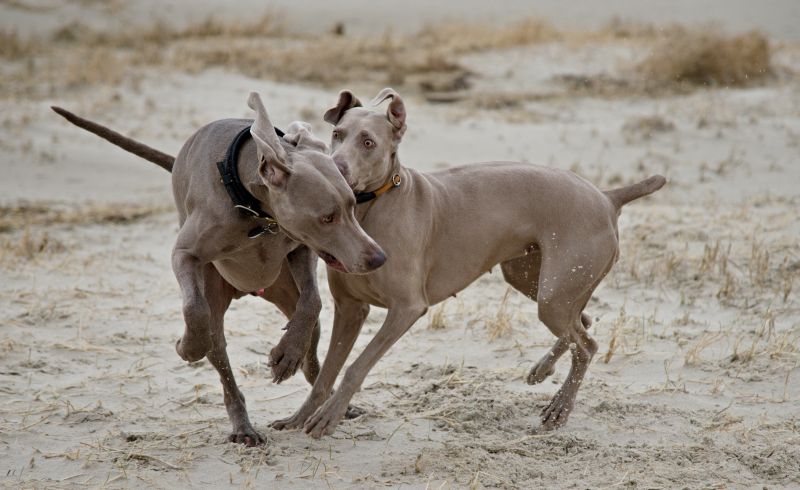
140 149
624 195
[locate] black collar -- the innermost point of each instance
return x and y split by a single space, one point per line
362 197
241 197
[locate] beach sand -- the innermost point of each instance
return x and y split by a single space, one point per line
696 383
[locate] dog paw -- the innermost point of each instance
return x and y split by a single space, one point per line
539 373
296 421
326 418
247 436
299 418
556 413
285 359
193 349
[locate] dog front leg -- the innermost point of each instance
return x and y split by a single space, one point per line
196 340
328 416
288 355
347 322
219 294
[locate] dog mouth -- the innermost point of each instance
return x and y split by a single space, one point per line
332 261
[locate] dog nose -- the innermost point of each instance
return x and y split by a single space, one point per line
376 260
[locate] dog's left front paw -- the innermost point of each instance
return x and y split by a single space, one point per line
286 358
326 418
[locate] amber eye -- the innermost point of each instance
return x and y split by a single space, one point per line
369 143
328 218
336 135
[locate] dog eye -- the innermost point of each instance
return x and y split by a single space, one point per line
328 218
369 143
336 135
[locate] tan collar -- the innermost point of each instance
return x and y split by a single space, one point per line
369 196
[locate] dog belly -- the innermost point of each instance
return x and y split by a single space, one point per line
452 273
249 274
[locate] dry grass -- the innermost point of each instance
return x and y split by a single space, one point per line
616 333
437 321
23 215
693 355
747 269
426 60
269 24
29 246
462 37
646 127
96 66
768 344
12 46
681 60
738 265
501 324
708 58
324 61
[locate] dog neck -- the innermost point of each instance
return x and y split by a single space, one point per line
394 168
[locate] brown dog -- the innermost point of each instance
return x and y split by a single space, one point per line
553 233
215 260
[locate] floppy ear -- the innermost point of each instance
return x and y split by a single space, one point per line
396 113
273 166
299 134
346 102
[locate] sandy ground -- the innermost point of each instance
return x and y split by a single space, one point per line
696 383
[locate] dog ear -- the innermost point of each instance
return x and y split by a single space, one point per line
346 102
296 131
273 166
396 113
299 134
274 176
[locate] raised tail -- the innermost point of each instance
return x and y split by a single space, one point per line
139 149
623 195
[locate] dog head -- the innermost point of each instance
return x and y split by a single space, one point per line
309 197
364 142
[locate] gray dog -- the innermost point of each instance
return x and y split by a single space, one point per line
553 233
223 253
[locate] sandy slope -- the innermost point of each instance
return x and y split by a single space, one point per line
696 383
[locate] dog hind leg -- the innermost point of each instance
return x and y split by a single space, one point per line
522 273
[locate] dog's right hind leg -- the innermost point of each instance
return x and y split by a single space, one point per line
522 274
547 364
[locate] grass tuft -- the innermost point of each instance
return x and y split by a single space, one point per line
500 325
708 58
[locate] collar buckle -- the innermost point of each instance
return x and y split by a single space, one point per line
271 228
